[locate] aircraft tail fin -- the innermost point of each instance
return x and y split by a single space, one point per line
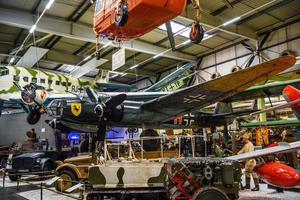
292 94
174 81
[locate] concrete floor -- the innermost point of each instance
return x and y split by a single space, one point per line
28 192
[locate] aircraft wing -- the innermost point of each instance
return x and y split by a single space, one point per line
114 86
275 123
282 148
281 106
201 95
265 90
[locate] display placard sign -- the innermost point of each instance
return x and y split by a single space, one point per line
118 59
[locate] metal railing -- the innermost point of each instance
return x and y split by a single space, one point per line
131 155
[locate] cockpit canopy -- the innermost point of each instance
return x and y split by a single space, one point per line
4 71
100 5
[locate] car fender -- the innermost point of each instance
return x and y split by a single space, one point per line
44 161
70 167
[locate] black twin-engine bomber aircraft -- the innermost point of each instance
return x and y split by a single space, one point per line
94 112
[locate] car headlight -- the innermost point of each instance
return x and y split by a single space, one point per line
38 160
9 161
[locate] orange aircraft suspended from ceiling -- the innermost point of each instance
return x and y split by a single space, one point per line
129 19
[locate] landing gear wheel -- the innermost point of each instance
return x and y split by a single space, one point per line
197 33
33 117
121 14
65 182
210 193
150 145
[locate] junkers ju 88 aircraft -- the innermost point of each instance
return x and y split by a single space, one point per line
94 113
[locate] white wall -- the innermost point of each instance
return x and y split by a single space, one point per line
13 128
276 37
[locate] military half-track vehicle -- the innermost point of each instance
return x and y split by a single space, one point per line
127 180
184 178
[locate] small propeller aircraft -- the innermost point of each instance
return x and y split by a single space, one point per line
127 19
273 173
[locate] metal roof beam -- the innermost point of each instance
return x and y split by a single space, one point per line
214 22
264 11
222 9
78 31
57 57
170 35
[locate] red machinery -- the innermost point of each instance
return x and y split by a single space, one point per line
202 178
183 183
129 19
278 175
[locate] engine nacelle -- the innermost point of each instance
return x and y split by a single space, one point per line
117 113
32 94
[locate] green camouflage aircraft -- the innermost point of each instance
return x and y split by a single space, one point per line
39 88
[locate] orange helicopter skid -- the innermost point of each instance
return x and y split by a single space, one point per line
144 16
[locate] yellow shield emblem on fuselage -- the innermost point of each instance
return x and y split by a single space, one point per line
76 109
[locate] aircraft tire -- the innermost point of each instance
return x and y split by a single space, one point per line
121 14
209 193
197 33
33 117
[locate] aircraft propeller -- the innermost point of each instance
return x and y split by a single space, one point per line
33 96
104 108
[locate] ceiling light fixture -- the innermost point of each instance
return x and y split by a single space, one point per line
158 55
11 60
49 4
32 28
231 21
106 45
134 66
86 58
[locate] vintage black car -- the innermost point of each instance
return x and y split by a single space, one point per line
30 163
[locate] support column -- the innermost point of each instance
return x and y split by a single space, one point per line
262 105
226 135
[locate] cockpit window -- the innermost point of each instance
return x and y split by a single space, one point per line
4 71
103 4
99 6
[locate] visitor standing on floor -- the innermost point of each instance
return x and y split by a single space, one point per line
250 164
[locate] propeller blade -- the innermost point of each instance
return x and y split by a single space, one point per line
247 46
92 95
115 100
250 61
18 86
29 96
